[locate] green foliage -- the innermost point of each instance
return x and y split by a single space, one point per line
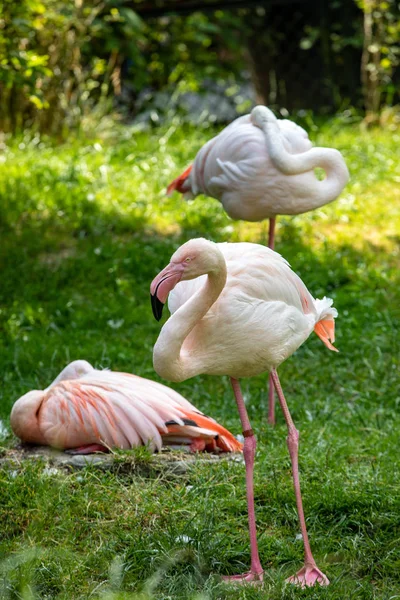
186 50
51 75
21 64
64 61
381 52
60 61
84 228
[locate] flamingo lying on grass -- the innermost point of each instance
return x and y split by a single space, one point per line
260 167
87 410
239 310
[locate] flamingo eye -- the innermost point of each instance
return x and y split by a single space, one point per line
188 259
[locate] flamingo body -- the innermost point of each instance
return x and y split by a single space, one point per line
259 167
85 406
239 310
262 314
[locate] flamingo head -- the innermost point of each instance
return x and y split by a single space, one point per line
194 258
295 138
75 370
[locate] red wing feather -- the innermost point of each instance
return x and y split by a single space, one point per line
177 183
225 441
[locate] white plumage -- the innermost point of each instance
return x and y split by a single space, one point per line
259 167
263 312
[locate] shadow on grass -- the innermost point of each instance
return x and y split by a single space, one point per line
77 285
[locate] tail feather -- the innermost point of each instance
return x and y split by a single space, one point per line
178 184
197 425
325 325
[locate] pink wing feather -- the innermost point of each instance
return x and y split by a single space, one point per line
124 411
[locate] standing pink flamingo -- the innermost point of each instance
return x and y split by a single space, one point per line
260 167
86 410
239 310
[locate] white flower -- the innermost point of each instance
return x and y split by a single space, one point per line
115 324
50 471
184 539
3 430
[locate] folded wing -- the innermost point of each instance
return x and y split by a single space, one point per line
119 410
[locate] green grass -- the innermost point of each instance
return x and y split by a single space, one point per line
84 228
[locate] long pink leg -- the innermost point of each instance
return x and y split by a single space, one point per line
249 451
310 574
271 391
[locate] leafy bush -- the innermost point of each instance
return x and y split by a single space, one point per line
52 71
63 61
381 53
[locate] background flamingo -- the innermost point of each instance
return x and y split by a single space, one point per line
260 167
239 310
89 410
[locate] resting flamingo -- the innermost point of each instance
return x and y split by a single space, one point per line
239 310
86 410
260 167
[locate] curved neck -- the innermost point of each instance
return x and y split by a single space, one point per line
24 418
329 159
169 360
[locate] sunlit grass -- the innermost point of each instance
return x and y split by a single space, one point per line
84 228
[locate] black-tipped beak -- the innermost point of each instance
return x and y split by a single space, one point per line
157 306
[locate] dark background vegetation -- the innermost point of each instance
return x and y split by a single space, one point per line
207 61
